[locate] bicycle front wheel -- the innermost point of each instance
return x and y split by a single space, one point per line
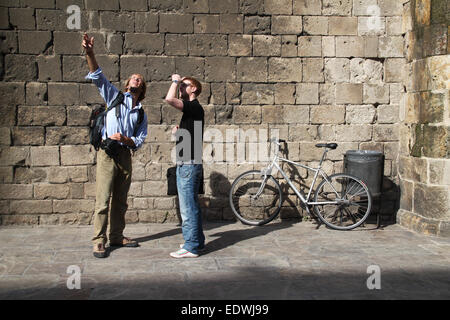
255 198
342 203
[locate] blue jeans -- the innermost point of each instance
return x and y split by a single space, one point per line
188 184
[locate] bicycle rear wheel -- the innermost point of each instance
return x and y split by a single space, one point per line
346 202
254 198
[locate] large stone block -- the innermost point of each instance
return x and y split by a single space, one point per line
354 132
220 69
349 93
313 70
431 201
309 46
385 132
22 18
316 25
159 68
359 114
133 5
251 69
196 6
45 156
49 68
285 70
16 191
439 171
13 93
243 114
23 207
366 71
307 7
20 68
206 24
266 45
240 45
337 70
67 42
66 136
175 45
337 7
257 94
34 42
71 206
284 93
36 93
231 23
374 93
296 114
287 25
207 45
349 46
132 64
28 136
327 114
307 93
278 7
391 47
144 43
77 155
48 191
343 26
63 94
118 22
257 25
15 156
102 4
176 23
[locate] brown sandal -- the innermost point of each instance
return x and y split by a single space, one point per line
99 250
126 242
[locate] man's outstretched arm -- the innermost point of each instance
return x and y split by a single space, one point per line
88 45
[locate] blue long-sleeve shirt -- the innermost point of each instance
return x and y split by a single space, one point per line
125 124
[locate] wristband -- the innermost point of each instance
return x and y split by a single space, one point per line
175 81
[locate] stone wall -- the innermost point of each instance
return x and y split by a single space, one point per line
424 160
316 70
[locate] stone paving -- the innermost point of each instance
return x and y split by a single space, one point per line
283 260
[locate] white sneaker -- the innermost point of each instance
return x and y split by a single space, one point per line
199 250
183 253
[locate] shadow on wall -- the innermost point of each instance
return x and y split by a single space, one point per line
387 204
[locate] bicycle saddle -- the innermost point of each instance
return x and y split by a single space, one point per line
327 145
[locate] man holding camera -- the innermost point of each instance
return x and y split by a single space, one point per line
189 146
121 133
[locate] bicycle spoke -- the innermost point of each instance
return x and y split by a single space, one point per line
352 205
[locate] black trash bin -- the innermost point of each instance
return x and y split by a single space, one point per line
367 165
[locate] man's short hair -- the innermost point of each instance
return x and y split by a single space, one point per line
144 86
196 84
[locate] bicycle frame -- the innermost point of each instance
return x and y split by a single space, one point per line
316 171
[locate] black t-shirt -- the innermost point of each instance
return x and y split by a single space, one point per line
193 120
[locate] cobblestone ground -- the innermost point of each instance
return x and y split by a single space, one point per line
286 260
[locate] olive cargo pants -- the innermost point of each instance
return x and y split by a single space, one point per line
113 179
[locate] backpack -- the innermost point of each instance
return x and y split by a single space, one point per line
97 120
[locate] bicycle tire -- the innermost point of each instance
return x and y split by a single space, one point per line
253 211
352 206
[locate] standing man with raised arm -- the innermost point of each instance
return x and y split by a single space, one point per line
189 162
113 176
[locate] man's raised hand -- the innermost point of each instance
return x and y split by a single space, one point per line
88 43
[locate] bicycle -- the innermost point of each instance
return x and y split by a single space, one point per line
341 201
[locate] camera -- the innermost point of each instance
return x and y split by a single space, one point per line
111 147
